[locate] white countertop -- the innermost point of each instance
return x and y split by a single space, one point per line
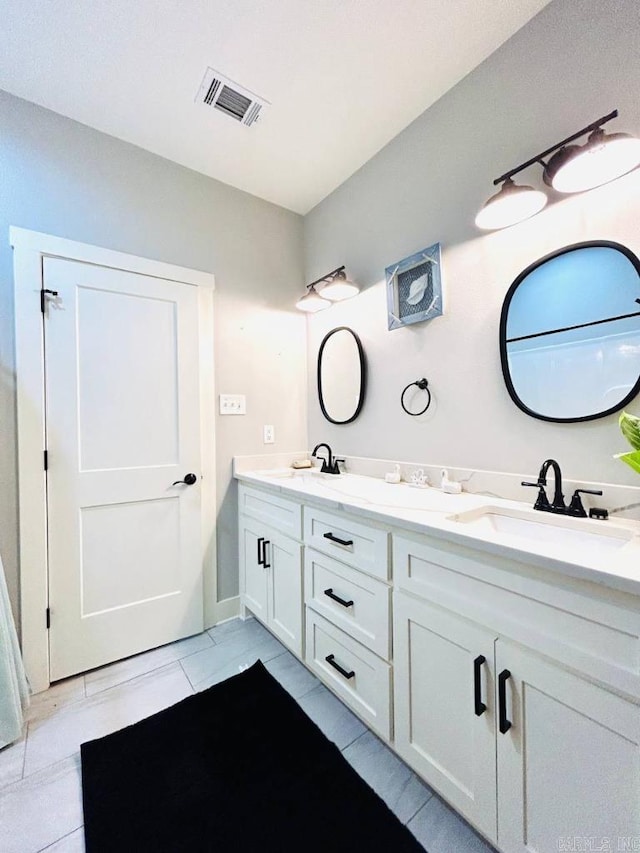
429 511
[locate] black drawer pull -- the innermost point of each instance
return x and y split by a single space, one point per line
505 723
260 557
264 554
330 659
331 594
479 706
332 538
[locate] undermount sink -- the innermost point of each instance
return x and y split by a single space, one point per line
547 529
293 473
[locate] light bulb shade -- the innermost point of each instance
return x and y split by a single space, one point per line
603 158
312 302
511 204
339 288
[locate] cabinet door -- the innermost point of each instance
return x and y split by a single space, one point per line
253 576
284 558
569 764
445 728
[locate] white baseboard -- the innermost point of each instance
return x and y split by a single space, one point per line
226 609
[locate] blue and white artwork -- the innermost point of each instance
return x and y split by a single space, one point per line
414 288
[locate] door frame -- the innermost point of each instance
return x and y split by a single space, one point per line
29 249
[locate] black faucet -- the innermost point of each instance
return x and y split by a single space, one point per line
558 506
330 464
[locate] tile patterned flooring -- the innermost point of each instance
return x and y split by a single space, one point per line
40 793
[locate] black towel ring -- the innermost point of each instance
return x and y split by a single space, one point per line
423 385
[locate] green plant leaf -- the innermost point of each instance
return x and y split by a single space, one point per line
632 459
630 428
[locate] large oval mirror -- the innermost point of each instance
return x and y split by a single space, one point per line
342 375
570 333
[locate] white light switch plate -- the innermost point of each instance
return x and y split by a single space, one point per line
233 404
269 434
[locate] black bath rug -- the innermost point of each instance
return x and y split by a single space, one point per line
239 767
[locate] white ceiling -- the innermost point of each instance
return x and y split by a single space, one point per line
343 76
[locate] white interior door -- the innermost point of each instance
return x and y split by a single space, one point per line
122 413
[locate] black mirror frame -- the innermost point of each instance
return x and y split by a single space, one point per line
363 374
607 244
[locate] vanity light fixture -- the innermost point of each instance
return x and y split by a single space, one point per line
312 302
572 168
334 287
512 203
338 286
603 158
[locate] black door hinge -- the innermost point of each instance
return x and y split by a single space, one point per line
48 618
46 460
43 297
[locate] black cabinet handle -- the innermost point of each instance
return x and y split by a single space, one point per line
331 594
479 706
264 554
332 538
260 557
504 723
330 659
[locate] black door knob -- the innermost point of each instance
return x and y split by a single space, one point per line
189 480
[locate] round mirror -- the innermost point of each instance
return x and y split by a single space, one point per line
341 375
570 333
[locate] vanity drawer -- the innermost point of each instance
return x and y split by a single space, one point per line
365 680
353 601
283 514
359 545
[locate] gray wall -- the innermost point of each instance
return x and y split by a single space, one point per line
63 178
574 62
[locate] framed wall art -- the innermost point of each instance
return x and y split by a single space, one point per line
414 288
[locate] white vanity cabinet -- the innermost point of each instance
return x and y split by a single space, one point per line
530 748
348 612
512 689
271 564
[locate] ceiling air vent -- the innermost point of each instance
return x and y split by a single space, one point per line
223 94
